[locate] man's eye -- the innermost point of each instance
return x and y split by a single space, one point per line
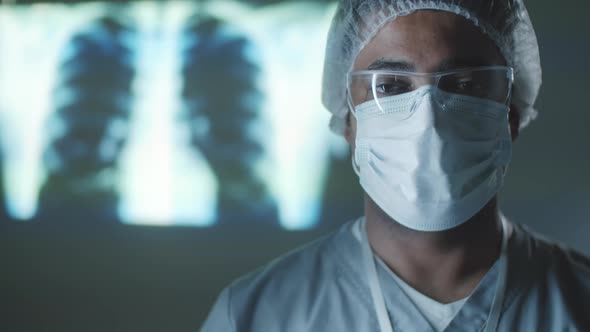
468 86
391 89
464 85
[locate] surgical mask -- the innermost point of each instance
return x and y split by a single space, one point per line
431 159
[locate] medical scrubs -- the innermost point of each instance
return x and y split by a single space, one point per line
323 287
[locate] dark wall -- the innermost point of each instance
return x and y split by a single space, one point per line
126 278
117 278
548 185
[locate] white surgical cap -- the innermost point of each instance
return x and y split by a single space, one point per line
506 22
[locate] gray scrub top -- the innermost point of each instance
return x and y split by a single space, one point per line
323 287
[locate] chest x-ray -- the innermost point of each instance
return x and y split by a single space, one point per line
165 113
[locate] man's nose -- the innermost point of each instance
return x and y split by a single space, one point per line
421 81
425 105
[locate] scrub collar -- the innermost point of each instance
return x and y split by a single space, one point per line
377 294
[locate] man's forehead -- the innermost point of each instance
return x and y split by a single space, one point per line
428 40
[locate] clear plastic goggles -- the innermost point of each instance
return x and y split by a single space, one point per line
492 83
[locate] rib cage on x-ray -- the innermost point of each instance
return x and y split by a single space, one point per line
93 99
88 128
222 105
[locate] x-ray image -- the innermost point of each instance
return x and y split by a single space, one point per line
167 113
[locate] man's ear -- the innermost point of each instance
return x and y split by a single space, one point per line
514 120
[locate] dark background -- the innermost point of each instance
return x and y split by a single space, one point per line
135 278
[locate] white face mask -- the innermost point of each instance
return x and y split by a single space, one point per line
431 159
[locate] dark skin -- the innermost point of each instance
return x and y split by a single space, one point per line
447 265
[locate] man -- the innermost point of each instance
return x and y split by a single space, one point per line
430 96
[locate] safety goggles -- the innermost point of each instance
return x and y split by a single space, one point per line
492 83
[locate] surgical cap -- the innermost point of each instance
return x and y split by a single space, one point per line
506 22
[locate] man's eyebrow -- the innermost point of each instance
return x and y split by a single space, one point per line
382 64
459 63
456 63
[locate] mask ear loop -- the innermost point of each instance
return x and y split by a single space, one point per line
510 78
352 111
351 108
355 165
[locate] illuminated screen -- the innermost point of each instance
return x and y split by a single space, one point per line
165 113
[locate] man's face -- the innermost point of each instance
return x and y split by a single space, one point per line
428 41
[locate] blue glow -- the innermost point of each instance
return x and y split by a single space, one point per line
162 179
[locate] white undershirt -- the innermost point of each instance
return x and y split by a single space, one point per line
439 315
